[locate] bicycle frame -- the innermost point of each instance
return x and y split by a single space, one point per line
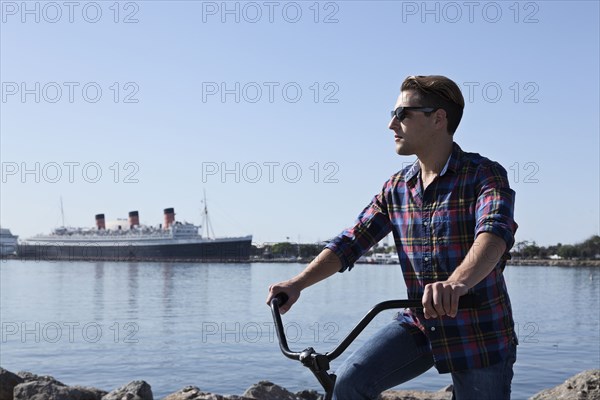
319 363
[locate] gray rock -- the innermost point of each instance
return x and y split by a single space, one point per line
136 390
415 395
269 391
448 388
309 395
28 386
48 390
29 377
8 381
583 386
94 393
187 393
193 393
442 394
265 390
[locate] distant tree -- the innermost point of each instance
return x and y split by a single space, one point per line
378 249
552 250
587 249
531 250
568 251
284 249
517 249
544 252
310 250
590 247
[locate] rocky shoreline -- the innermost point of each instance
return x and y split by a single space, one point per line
28 386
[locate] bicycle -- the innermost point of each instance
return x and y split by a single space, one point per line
318 363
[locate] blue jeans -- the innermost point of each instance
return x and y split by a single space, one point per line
399 353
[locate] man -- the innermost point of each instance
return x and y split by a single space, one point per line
451 214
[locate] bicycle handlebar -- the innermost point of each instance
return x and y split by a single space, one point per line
277 301
466 301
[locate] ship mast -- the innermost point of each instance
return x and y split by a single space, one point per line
206 221
62 212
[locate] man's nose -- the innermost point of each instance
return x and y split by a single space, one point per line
394 124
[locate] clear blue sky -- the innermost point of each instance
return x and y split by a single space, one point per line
204 87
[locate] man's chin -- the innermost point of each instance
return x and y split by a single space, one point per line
403 150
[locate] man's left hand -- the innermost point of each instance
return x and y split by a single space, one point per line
441 298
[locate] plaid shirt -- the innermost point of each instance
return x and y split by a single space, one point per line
433 231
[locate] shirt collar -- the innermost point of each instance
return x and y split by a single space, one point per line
451 164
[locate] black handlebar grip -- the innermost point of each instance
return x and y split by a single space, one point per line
469 301
281 298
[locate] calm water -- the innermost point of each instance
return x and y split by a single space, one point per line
105 324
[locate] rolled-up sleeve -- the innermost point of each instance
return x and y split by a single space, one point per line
494 210
372 225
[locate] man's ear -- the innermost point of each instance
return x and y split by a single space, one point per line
440 118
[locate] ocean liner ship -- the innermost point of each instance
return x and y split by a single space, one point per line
127 240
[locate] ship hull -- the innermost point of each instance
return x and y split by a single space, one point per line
220 250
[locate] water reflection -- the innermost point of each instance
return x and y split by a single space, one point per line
168 273
99 291
133 286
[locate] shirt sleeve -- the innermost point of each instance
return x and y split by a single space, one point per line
494 210
372 225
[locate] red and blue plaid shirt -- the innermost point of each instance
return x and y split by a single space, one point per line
433 231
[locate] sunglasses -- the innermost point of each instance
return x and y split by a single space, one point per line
400 112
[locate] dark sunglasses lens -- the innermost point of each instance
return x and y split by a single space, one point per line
399 113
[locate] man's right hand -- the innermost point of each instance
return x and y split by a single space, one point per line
323 266
288 288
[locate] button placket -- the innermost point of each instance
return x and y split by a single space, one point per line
427 242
